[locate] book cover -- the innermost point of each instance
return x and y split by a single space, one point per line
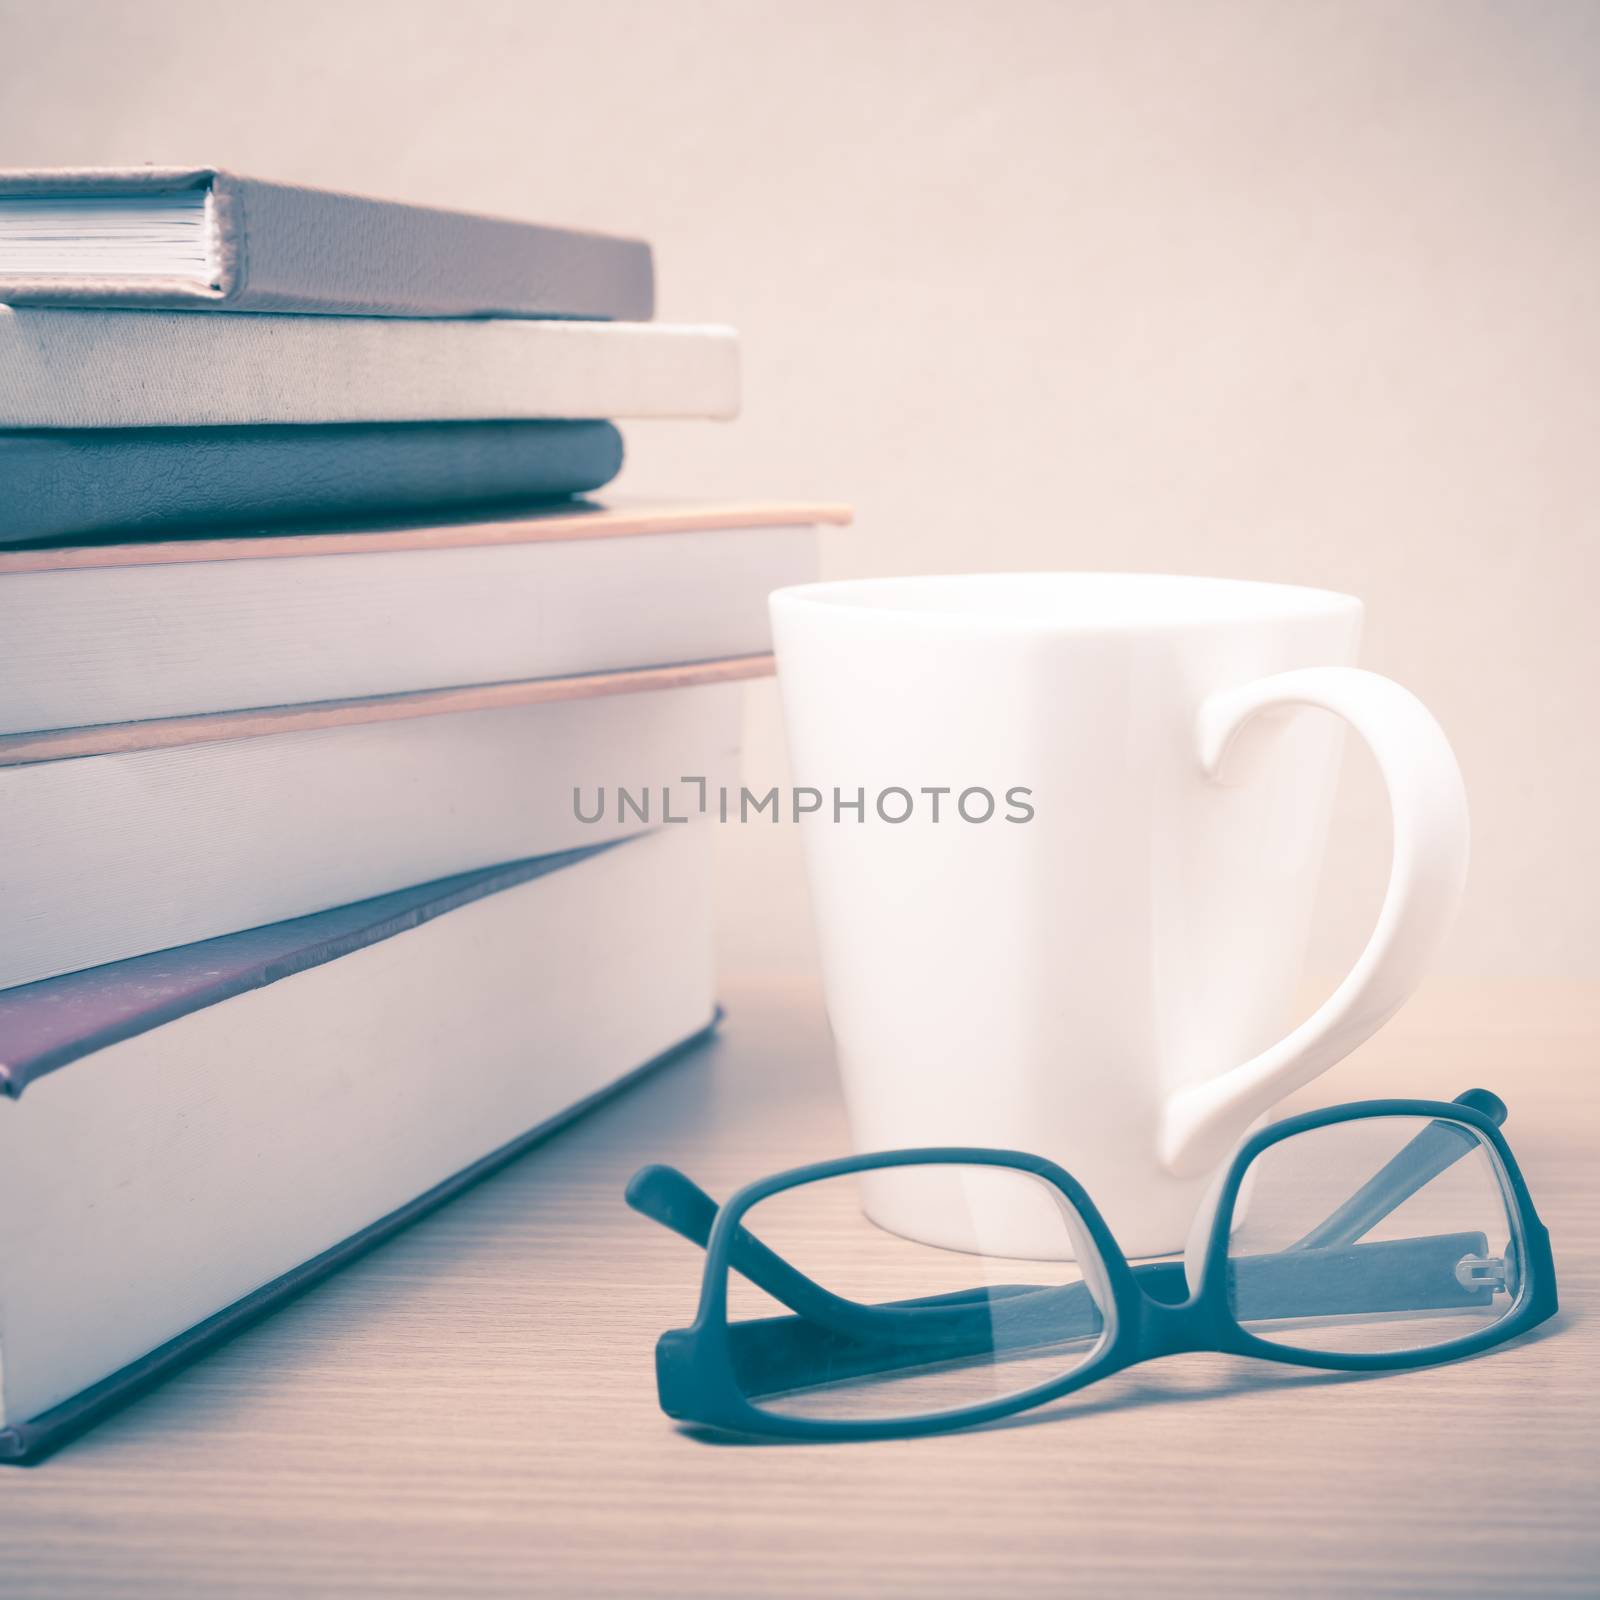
202 238
76 482
48 1025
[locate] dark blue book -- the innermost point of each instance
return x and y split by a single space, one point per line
69 483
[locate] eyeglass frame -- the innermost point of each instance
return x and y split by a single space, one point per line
695 1371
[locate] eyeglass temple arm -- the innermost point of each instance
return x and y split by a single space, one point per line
676 1201
1434 1150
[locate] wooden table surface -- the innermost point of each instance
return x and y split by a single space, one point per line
471 1410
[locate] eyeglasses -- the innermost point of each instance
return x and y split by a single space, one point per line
1368 1237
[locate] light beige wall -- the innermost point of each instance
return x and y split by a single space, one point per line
1301 291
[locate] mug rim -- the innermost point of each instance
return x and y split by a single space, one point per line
1231 601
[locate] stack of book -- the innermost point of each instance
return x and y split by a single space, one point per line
334 736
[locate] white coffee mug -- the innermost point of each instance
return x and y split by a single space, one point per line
1083 935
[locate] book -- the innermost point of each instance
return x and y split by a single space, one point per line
197 238
168 369
173 628
196 1137
115 855
77 482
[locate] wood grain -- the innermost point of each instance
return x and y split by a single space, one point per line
165 733
585 520
471 1410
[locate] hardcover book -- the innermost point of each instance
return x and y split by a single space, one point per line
197 1136
162 628
76 482
189 832
200 238
166 369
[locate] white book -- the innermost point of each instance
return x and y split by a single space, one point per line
121 633
136 369
203 239
159 1188
114 855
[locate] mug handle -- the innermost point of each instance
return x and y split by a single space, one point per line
1200 1123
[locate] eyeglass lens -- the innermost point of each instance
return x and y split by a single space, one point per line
1321 1259
848 1320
